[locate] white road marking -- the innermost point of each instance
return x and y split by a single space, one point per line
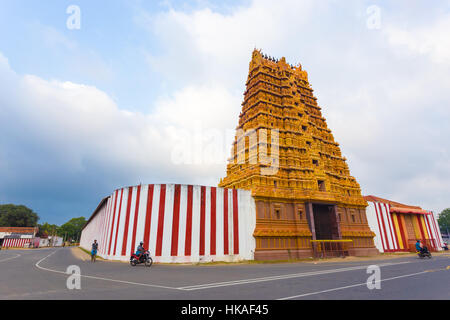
351 286
99 278
245 281
281 277
17 255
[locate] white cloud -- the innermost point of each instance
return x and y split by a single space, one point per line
388 110
432 40
381 103
213 105
54 38
204 45
74 126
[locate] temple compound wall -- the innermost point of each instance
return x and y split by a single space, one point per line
287 186
177 223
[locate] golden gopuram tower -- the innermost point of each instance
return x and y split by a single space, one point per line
286 155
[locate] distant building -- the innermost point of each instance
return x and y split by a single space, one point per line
55 241
398 226
17 237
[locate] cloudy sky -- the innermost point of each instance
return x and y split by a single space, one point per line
150 91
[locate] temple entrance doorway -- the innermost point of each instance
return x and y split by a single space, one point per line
324 220
326 235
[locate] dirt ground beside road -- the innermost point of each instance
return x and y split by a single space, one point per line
83 255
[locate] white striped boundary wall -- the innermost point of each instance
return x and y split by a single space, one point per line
178 223
386 238
380 221
433 226
16 243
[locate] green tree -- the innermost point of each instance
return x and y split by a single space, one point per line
444 220
17 216
72 228
47 229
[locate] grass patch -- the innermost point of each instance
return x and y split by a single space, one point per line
89 253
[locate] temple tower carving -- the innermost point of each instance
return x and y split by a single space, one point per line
286 155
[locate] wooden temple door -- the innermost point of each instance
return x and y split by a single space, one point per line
323 221
411 234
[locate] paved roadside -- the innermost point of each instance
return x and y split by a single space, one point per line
41 274
84 256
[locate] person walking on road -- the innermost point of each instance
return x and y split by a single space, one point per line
94 251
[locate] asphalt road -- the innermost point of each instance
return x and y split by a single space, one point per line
41 274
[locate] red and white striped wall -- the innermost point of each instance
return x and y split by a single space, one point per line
178 223
389 235
381 223
16 243
433 229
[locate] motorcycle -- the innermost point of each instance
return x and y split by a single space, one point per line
424 254
145 258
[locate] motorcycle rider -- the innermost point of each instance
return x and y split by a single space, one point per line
140 250
420 247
